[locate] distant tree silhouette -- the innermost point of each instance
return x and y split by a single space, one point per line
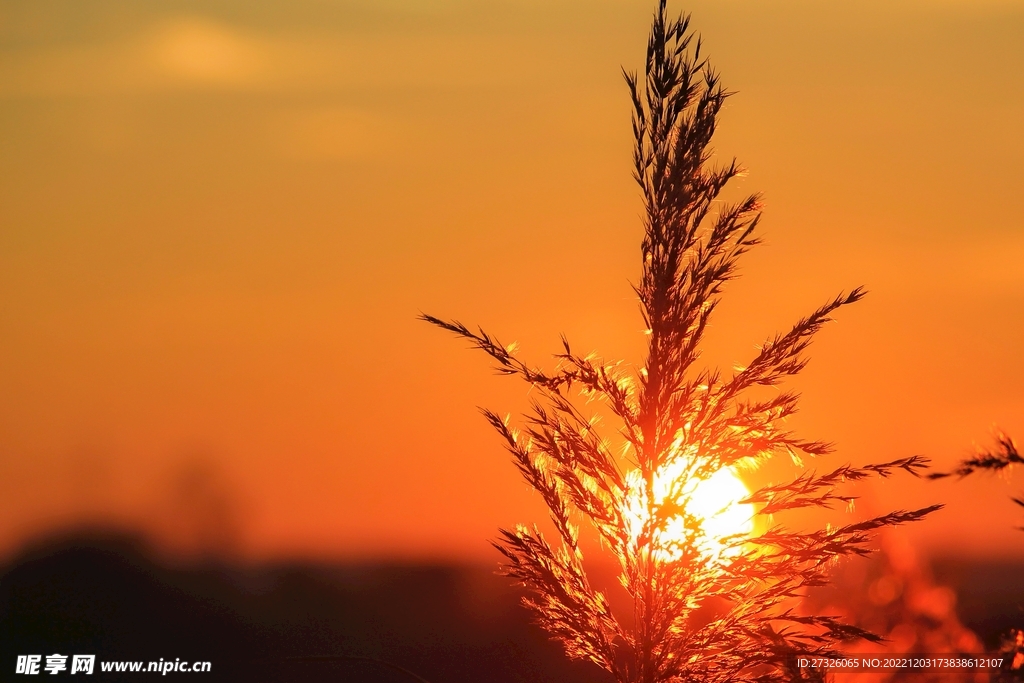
702 608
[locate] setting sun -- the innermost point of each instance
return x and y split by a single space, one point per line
714 501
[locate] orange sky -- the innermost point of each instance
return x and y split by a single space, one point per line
218 221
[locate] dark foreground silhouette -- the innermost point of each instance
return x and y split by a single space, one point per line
106 595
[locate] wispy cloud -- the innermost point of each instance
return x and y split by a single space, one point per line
198 53
201 52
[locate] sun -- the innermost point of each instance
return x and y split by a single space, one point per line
717 501
714 502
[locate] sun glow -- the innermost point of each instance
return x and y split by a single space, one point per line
714 503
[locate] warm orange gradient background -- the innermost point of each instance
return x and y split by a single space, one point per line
218 221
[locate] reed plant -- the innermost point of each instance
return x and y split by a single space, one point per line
699 606
999 459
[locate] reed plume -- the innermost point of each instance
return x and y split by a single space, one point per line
679 426
999 459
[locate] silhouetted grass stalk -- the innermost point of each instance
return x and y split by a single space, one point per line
1000 459
677 418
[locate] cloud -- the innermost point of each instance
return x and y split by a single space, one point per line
186 52
198 53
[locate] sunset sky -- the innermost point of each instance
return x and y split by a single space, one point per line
220 219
